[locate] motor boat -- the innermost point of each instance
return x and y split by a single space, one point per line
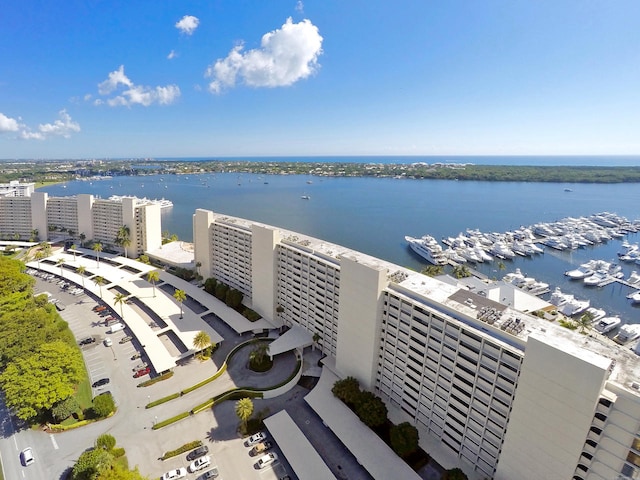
583 271
573 306
607 324
596 314
558 298
428 248
634 278
501 250
628 333
635 298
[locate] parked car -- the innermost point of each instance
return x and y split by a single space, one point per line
107 342
197 453
200 463
59 306
142 372
87 341
209 474
175 474
136 356
27 457
125 340
256 438
267 460
99 308
261 448
100 383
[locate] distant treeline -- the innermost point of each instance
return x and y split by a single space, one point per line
62 171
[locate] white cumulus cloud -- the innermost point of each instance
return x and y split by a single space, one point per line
285 56
64 126
8 124
188 24
172 55
131 94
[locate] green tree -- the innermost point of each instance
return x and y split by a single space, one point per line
81 270
404 439
97 247
39 256
118 472
82 238
433 270
584 322
35 383
201 340
123 238
233 298
153 276
144 259
316 338
103 405
180 297
198 265
74 249
347 390
461 271
99 281
65 408
106 442
221 291
120 299
371 409
244 410
91 463
210 285
60 263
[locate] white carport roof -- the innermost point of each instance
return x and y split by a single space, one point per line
295 337
302 457
370 451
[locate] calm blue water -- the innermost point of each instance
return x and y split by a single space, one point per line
373 215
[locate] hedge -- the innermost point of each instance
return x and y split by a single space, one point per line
159 378
184 448
171 420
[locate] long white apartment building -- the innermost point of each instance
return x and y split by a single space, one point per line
95 218
502 394
15 188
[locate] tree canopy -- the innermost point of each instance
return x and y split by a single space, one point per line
404 439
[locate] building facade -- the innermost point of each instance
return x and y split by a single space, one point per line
82 216
505 394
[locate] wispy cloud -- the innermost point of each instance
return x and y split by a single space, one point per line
172 55
299 6
131 94
188 24
285 56
64 126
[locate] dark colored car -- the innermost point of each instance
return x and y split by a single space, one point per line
87 341
101 382
125 339
198 452
142 372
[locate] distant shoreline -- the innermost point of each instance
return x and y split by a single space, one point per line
62 171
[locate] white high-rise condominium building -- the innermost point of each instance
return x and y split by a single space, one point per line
94 218
502 394
17 189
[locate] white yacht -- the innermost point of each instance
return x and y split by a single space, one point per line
428 248
628 333
607 324
635 298
454 256
596 314
501 250
634 278
558 298
573 306
583 271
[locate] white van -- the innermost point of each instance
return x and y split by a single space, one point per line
116 327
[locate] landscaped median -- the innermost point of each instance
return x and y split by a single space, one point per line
210 379
232 394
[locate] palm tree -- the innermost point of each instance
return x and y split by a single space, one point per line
198 265
258 354
39 256
34 235
60 263
74 250
461 271
244 410
99 281
81 269
120 298
201 340
97 247
153 276
180 297
584 322
316 339
433 270
82 237
123 238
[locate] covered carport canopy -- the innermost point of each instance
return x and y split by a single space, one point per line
301 455
295 337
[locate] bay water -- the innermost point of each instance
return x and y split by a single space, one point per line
372 215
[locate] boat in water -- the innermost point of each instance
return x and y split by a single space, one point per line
628 333
583 271
428 248
573 306
596 314
607 324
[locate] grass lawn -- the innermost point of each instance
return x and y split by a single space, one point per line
83 394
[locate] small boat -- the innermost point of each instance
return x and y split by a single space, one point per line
635 298
607 324
628 333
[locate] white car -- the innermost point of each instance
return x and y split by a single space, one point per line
175 474
27 456
256 438
200 463
267 459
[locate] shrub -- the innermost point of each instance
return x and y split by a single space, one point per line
159 378
103 405
210 285
65 408
371 409
184 448
118 452
221 291
171 420
455 474
347 390
250 315
106 442
162 400
233 298
404 439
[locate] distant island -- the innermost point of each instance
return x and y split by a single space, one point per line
54 171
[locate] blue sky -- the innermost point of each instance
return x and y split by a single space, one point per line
121 79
